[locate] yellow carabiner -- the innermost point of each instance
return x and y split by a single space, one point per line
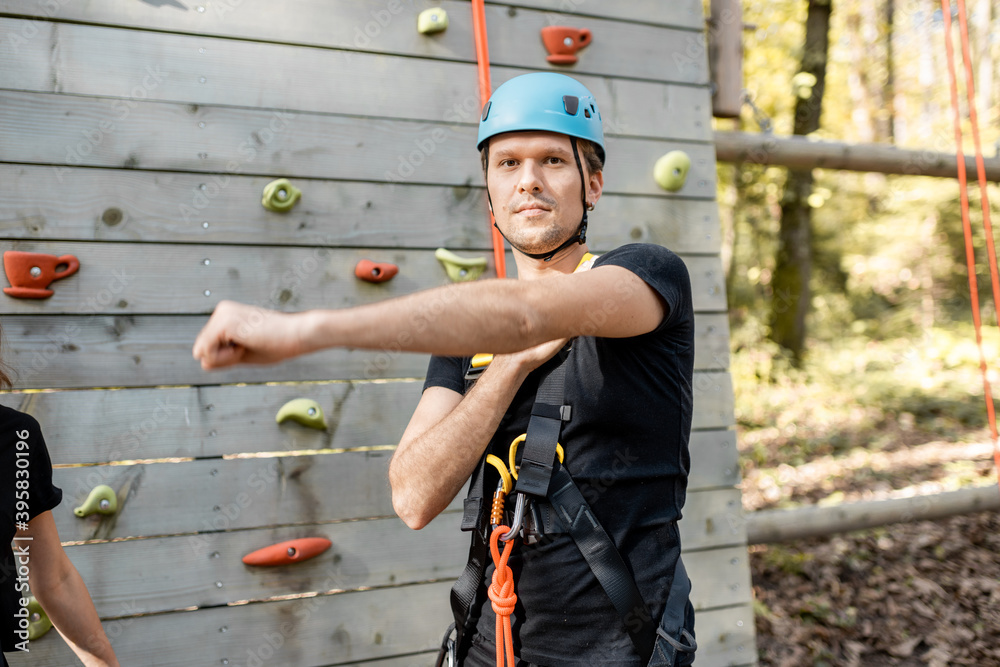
513 453
497 463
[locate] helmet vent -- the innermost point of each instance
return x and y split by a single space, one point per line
486 111
586 112
572 104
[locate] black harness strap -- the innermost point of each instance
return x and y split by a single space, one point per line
541 478
604 560
547 416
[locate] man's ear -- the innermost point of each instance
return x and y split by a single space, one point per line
596 183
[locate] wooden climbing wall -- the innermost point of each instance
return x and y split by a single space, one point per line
138 135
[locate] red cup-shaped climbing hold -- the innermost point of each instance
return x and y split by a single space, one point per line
287 553
562 42
31 273
375 272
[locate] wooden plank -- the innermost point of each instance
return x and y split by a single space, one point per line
167 573
132 65
257 19
719 578
211 421
146 206
139 351
129 279
234 494
715 460
69 131
216 494
324 630
619 49
726 637
713 519
333 630
145 351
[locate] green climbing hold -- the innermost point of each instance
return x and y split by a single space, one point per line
460 269
38 620
280 196
671 170
432 20
305 411
102 500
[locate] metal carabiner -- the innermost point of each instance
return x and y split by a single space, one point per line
515 525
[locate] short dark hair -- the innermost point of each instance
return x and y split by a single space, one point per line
587 149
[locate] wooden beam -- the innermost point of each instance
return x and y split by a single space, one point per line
770 526
735 147
725 57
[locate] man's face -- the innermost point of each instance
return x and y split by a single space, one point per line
535 188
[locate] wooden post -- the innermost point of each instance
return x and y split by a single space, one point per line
725 57
804 153
769 526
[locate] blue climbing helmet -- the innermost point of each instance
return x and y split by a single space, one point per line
543 101
549 102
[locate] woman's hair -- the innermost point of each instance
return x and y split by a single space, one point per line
5 370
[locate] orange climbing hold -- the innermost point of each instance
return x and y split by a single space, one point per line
375 272
502 596
286 553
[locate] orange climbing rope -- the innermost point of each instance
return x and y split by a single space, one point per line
485 90
502 596
970 256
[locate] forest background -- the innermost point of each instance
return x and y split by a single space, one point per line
886 397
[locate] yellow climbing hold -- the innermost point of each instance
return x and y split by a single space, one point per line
671 170
432 20
38 620
102 500
280 196
460 269
305 411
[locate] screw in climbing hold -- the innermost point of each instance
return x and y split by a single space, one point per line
562 42
305 411
432 20
460 269
671 170
375 272
280 196
102 500
31 273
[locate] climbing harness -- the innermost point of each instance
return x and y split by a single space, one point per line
556 506
549 503
970 256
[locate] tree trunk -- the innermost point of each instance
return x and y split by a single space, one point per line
790 283
890 80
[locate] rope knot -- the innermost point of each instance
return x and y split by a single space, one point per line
502 593
502 596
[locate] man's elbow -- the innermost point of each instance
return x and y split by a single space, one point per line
410 512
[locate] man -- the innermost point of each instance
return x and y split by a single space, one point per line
627 384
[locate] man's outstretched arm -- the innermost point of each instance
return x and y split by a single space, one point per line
499 316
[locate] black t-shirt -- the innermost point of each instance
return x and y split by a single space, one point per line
24 463
626 448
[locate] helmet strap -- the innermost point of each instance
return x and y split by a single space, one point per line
581 232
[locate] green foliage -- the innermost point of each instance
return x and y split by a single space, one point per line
888 252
